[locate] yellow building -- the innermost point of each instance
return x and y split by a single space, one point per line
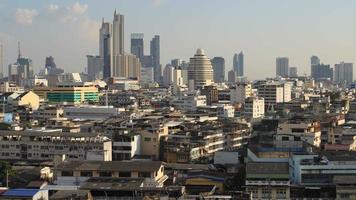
28 98
150 140
70 93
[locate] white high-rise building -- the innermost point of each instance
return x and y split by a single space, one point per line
200 70
254 107
282 66
275 92
168 75
239 92
343 73
178 82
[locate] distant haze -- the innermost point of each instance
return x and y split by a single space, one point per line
263 30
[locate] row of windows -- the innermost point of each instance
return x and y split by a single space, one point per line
106 174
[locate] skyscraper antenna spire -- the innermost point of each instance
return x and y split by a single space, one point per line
19 49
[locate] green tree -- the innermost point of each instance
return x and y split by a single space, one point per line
5 171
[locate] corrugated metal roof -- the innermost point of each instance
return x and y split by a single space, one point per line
21 192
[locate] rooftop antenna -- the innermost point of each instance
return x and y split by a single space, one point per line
19 49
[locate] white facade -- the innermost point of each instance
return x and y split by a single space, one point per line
190 102
178 82
254 107
240 92
90 112
168 75
126 147
226 111
274 93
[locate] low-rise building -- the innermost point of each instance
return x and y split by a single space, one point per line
46 145
76 173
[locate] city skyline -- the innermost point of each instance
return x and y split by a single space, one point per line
262 38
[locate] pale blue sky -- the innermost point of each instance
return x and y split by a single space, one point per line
263 29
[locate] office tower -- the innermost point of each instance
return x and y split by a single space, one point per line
343 73
95 67
1 61
282 66
314 60
200 70
155 53
105 47
147 61
321 72
219 69
293 72
240 64
51 67
231 76
147 75
12 72
127 65
118 34
137 45
50 63
168 75
176 62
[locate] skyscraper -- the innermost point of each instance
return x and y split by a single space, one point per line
118 34
137 45
105 47
238 64
343 73
155 53
293 72
200 70
95 67
321 72
282 66
314 60
219 69
1 61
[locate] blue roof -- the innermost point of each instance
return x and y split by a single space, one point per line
21 192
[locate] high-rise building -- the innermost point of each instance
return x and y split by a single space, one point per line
231 76
176 62
127 65
343 73
118 34
105 47
155 53
211 93
282 66
219 69
168 75
1 61
314 60
200 70
178 81
50 63
137 45
95 67
321 72
293 72
238 64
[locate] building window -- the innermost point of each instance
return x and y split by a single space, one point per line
144 174
105 174
67 173
86 173
147 139
266 193
124 174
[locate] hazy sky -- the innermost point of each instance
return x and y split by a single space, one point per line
263 29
